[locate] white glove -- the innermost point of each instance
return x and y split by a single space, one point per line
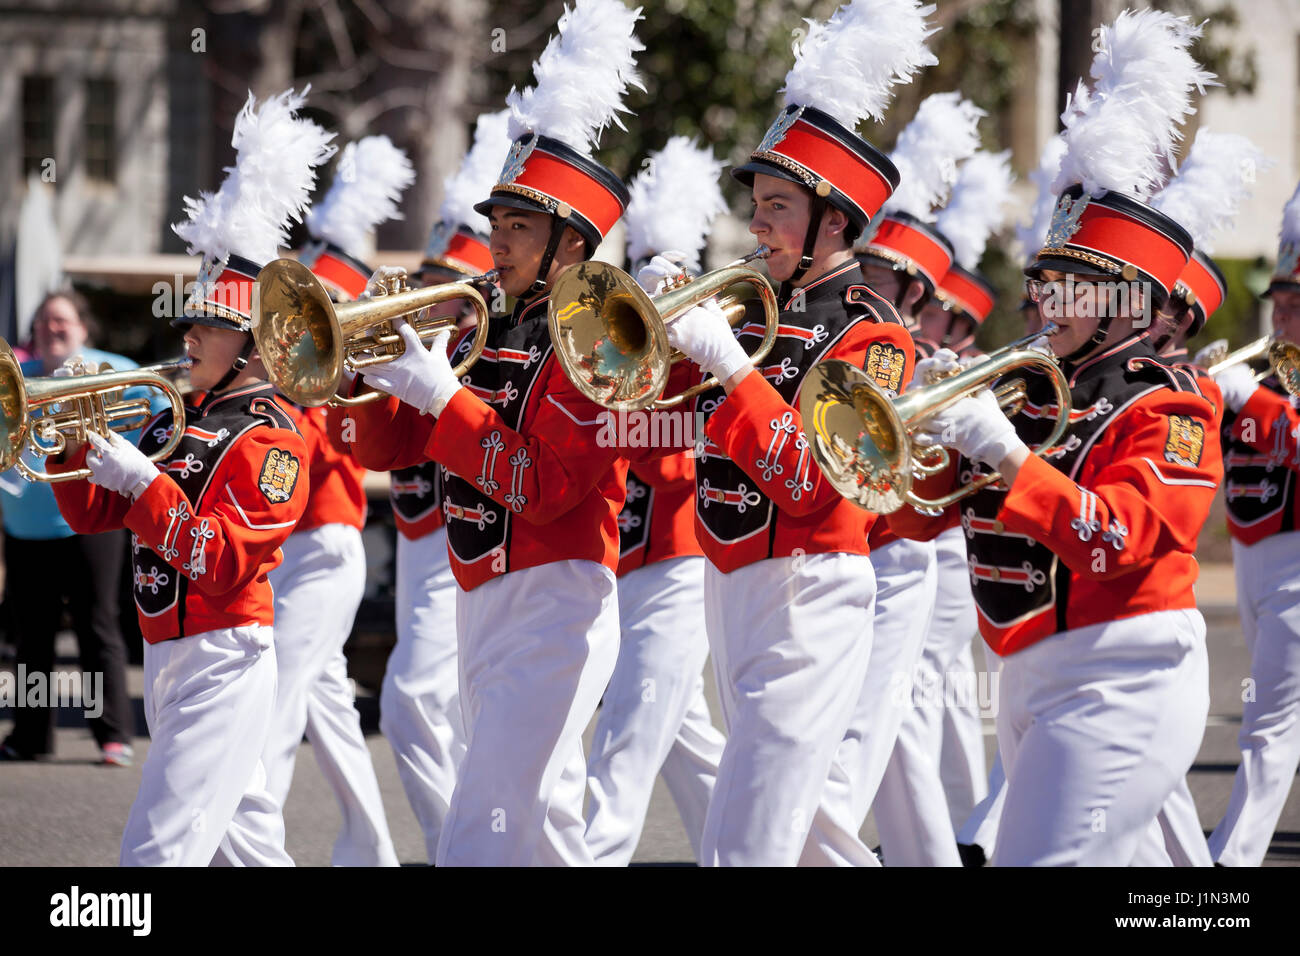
117 465
975 427
705 335
380 279
1042 344
655 273
419 377
942 364
1211 353
1237 383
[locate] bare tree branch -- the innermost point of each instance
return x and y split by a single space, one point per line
337 28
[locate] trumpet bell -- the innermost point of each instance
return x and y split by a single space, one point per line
858 436
1285 361
14 422
611 354
297 333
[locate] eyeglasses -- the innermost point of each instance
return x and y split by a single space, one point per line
1039 289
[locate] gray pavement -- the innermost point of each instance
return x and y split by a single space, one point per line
70 812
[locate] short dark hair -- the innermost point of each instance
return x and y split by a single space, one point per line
79 304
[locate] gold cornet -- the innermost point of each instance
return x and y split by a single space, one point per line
1283 361
85 403
306 340
862 439
611 338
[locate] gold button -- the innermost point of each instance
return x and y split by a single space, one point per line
998 527
996 575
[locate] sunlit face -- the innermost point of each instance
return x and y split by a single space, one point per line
58 332
213 351
1077 303
780 222
1286 315
518 242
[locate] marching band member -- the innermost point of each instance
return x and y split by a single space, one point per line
319 586
207 527
419 704
1082 562
938 759
654 719
1261 447
789 590
530 496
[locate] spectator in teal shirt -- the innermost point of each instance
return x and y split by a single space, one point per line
46 564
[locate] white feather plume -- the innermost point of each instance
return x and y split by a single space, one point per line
674 202
941 134
1123 136
1215 180
975 211
477 174
1290 234
269 185
1032 233
848 66
582 76
369 179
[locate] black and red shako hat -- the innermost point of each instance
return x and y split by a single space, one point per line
1202 288
341 273
458 248
967 293
905 242
542 174
1115 235
222 296
808 147
1287 274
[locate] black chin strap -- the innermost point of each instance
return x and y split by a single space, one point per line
552 246
238 366
815 212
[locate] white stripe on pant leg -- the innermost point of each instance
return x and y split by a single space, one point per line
1180 829
537 648
316 601
954 626
905 582
791 638
661 654
1112 717
1268 596
690 770
208 701
419 702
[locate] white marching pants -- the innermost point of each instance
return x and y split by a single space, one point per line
536 649
208 700
981 827
419 703
654 719
905 583
1175 837
1097 726
318 589
790 639
1268 597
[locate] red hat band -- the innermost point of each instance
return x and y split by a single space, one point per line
907 241
336 268
1115 235
457 248
1201 287
225 288
966 291
563 182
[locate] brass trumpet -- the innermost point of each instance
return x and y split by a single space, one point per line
1283 361
306 340
611 338
85 403
863 440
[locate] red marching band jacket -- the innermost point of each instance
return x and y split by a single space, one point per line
658 518
206 533
337 494
526 480
759 493
1261 454
1105 527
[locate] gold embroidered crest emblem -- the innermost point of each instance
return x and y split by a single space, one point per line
885 365
1185 441
279 476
